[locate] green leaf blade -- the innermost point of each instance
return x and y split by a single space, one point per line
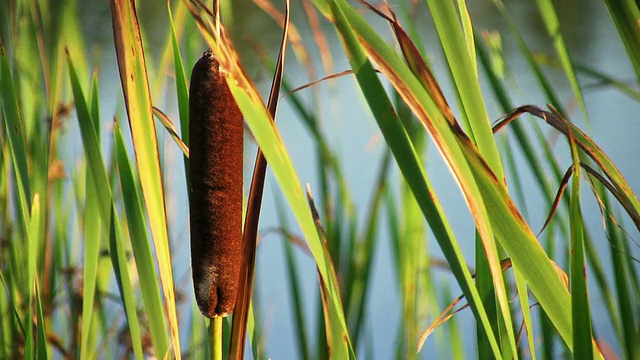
135 85
141 246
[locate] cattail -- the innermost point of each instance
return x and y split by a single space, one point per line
215 158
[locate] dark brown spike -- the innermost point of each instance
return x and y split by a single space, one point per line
216 150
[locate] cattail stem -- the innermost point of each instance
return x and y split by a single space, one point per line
215 333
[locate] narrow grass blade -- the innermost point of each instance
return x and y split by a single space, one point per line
34 234
413 260
362 281
297 44
94 102
467 31
135 85
301 330
90 144
92 236
182 89
449 311
625 15
441 319
15 137
197 333
8 326
140 244
551 22
580 296
460 55
521 285
523 296
547 89
456 339
120 267
168 124
594 261
296 293
256 331
319 37
165 58
625 299
41 343
604 80
337 338
556 201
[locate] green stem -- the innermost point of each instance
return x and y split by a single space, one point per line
215 331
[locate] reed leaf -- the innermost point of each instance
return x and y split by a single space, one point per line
120 267
41 342
15 136
141 247
621 272
580 297
34 234
552 24
182 89
625 15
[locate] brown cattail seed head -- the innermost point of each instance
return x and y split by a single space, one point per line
215 163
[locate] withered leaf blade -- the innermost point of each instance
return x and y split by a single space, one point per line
254 203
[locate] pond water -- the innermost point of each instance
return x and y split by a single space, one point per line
353 134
